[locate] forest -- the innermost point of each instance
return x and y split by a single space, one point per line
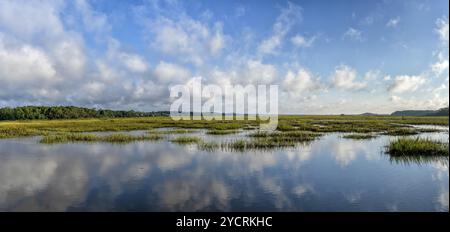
68 112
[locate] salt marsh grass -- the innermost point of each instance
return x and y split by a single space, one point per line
359 136
79 137
417 147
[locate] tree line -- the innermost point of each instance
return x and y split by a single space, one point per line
68 112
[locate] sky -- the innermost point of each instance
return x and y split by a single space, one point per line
327 57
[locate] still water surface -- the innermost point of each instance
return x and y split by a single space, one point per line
330 174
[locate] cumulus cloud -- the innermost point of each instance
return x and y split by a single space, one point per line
353 34
442 29
393 22
299 82
171 73
182 36
301 41
284 23
406 83
440 66
344 77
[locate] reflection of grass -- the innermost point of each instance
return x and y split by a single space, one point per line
417 147
324 124
77 137
359 136
186 140
420 160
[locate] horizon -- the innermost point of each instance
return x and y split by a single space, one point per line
281 114
379 57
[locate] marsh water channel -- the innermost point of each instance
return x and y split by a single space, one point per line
329 174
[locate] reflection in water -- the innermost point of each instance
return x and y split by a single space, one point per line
330 174
420 160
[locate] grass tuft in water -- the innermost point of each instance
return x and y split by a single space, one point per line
289 136
222 132
256 144
359 136
78 137
417 147
175 131
402 132
208 146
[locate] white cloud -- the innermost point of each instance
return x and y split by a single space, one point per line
93 20
182 36
171 73
24 65
434 102
353 34
442 29
300 82
406 83
258 73
301 41
285 21
134 63
440 66
344 78
393 22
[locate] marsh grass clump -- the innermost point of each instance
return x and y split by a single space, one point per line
208 146
359 136
14 132
256 144
91 138
124 138
175 131
222 132
186 140
289 136
402 132
417 147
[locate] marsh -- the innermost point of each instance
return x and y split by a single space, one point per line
327 173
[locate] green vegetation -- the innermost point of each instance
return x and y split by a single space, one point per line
222 132
256 144
67 112
359 136
208 146
318 124
176 131
290 136
78 137
186 140
402 131
417 147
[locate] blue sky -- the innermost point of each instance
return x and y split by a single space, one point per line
327 56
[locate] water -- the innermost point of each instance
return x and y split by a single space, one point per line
330 174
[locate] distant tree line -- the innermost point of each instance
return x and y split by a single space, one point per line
68 112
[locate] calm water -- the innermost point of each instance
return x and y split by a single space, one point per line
331 174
